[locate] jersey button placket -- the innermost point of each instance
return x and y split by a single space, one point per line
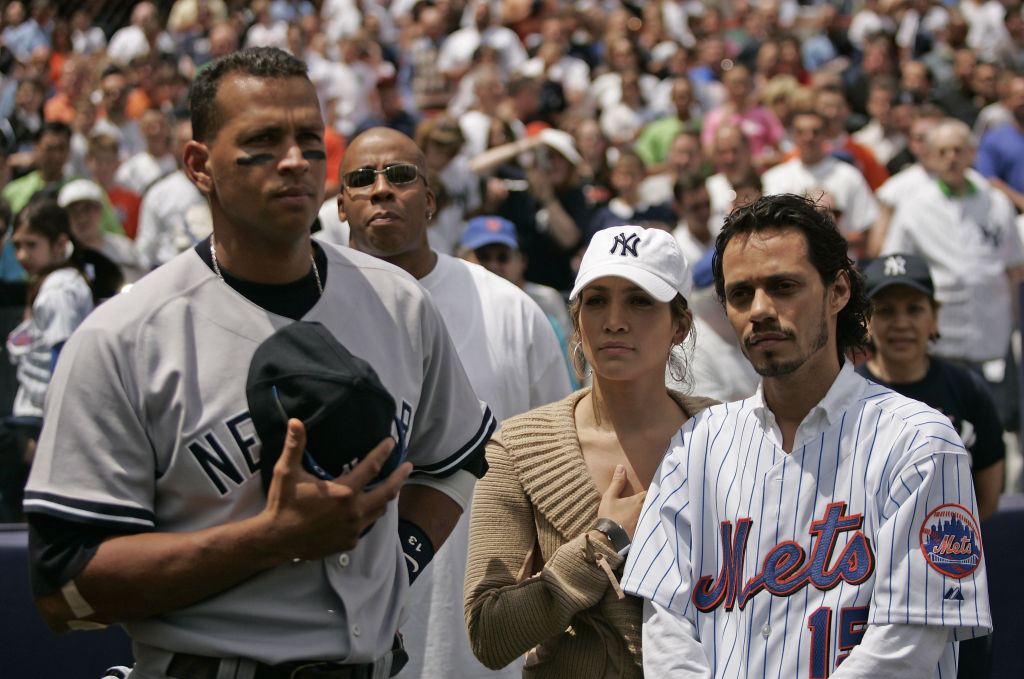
343 560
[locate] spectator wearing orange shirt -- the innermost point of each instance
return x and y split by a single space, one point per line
103 159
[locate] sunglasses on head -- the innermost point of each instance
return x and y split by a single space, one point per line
400 173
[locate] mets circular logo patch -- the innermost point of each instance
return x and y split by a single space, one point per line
951 540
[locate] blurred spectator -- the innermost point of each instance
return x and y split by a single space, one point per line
878 58
82 123
70 86
973 89
623 120
554 63
102 160
484 30
905 182
830 102
999 112
144 36
868 21
596 168
456 187
881 136
1001 151
606 89
684 158
173 215
139 171
489 91
421 72
86 38
693 230
730 158
51 155
266 30
113 116
552 229
191 24
626 206
21 33
653 142
763 130
27 119
84 202
813 169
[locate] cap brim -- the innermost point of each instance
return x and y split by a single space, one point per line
875 289
474 243
652 284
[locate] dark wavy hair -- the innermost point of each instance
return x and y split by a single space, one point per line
827 250
262 62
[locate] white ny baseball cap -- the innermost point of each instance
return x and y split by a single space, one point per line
651 258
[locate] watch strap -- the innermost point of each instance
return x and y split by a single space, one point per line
615 533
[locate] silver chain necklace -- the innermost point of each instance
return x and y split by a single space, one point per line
312 260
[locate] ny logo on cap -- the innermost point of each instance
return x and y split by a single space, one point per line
895 266
628 243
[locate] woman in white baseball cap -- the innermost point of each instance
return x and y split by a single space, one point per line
553 518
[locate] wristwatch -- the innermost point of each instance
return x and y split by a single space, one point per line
614 532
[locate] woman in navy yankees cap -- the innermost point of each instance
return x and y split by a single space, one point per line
903 322
553 518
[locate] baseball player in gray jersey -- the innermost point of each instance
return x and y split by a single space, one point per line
145 502
824 527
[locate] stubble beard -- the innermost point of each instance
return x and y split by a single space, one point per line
769 367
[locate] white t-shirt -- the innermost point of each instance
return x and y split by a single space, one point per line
142 169
722 195
845 182
514 363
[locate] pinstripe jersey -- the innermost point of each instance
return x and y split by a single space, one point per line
781 560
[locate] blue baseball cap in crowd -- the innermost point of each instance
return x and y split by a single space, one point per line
486 230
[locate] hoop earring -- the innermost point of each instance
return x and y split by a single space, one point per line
676 369
579 360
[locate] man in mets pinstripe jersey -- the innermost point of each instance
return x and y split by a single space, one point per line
824 527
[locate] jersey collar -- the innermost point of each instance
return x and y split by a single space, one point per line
845 391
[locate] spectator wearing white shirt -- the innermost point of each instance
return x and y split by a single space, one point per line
142 169
144 36
814 169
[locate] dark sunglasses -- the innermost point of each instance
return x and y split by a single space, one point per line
401 173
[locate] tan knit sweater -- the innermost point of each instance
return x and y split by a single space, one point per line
534 580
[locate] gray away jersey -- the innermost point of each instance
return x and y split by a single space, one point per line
147 429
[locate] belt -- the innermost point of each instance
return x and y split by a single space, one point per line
188 666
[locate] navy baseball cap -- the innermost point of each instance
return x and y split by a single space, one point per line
898 269
303 371
486 230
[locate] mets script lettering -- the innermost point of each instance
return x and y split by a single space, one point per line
628 242
785 570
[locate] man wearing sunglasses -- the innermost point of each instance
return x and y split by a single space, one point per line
504 340
146 505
